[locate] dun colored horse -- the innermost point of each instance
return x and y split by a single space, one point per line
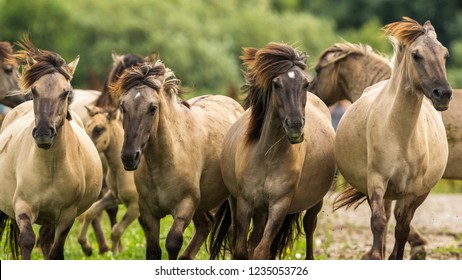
391 143
9 78
105 129
174 147
278 158
50 169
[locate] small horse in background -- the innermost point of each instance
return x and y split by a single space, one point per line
278 158
105 129
50 168
9 78
174 147
391 143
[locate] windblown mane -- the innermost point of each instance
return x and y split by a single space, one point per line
402 34
128 60
6 52
261 67
338 52
145 74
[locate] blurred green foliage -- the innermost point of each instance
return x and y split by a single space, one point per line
202 40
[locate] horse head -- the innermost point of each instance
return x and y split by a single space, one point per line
425 58
140 92
47 77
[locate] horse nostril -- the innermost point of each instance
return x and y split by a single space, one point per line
53 131
137 156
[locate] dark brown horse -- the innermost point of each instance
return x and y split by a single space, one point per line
50 169
174 147
278 158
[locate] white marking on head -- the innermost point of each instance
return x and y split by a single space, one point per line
291 74
138 94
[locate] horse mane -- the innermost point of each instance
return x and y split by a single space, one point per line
338 52
404 33
261 67
44 62
147 74
6 51
128 60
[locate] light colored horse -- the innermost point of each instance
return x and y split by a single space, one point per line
9 78
51 170
274 163
179 173
391 143
105 129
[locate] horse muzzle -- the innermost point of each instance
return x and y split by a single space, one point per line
441 97
44 137
131 160
294 131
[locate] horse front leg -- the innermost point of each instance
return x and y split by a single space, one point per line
94 211
118 229
310 221
203 222
404 212
241 225
376 193
182 217
276 215
259 221
64 225
151 227
26 233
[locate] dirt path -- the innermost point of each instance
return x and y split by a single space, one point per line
346 234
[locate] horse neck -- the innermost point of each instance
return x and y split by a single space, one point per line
373 70
112 152
406 102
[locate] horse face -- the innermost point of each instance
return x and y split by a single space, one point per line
428 70
139 107
9 81
289 92
99 129
50 96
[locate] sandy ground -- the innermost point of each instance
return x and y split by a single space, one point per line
346 234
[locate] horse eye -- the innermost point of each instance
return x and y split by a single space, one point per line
33 91
276 85
8 71
416 56
65 94
122 108
152 110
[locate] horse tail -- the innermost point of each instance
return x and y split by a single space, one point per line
219 237
350 197
9 227
289 232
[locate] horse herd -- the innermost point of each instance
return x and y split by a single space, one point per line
244 175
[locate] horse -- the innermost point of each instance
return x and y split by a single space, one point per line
50 168
90 98
391 143
105 129
343 71
9 78
174 147
278 157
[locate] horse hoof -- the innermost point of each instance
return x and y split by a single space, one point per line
184 258
418 253
103 250
88 251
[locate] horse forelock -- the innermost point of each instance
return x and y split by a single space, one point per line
44 62
261 67
145 74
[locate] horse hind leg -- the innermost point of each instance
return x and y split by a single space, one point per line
310 221
418 243
151 227
203 222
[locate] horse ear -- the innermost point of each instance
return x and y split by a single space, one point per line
30 60
92 110
112 113
430 29
153 57
116 58
303 57
72 65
